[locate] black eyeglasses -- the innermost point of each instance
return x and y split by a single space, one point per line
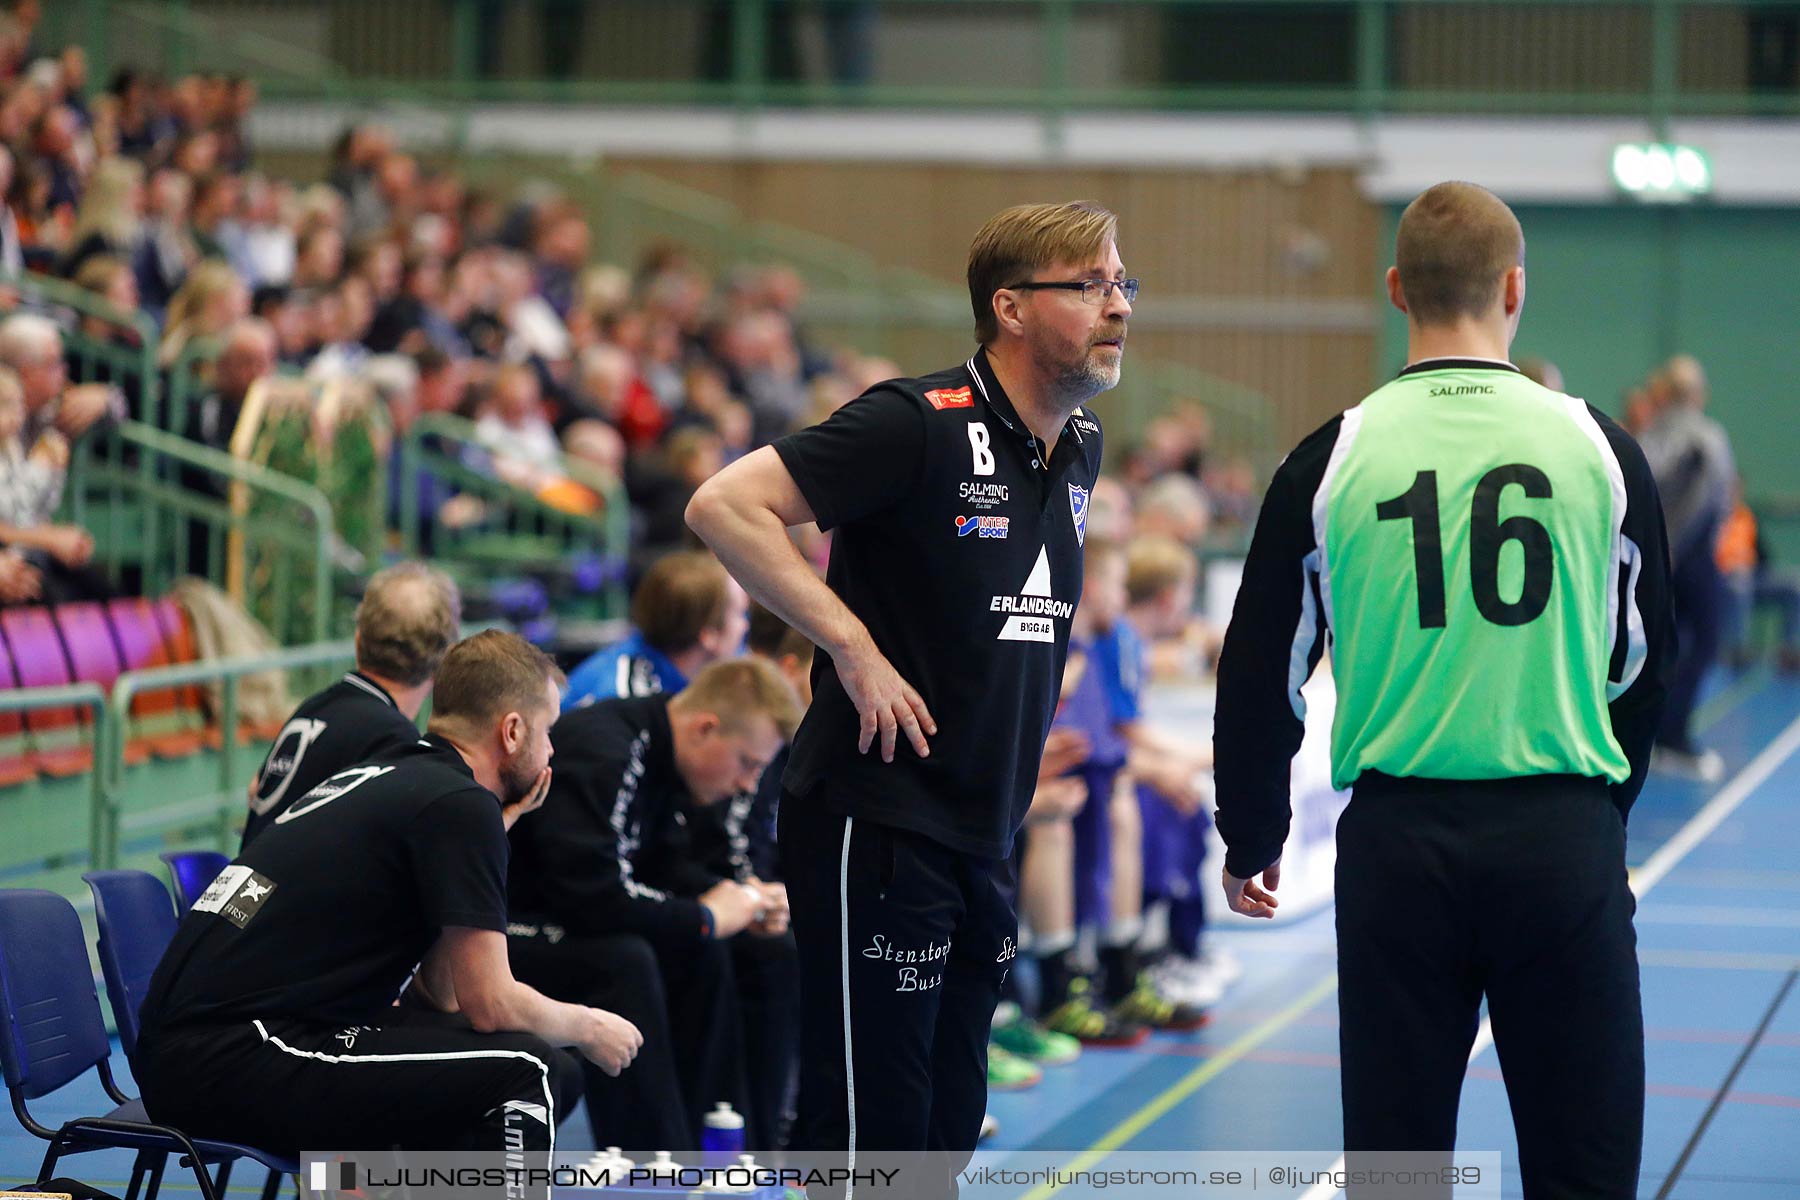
1093 291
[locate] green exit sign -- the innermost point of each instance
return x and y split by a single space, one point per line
1659 171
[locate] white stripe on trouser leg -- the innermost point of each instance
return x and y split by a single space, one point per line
849 1043
440 1056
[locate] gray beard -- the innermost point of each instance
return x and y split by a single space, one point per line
1087 379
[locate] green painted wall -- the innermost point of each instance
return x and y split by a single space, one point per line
1611 292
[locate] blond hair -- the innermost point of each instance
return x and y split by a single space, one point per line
187 308
1454 244
106 208
1019 240
1153 565
737 691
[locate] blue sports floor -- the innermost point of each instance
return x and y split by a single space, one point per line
1717 869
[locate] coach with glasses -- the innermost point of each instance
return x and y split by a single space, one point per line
959 502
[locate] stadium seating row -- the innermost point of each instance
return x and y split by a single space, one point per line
91 642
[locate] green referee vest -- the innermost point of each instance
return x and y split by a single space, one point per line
1467 529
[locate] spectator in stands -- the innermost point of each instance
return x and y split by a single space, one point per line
12 249
607 386
686 614
33 473
1690 455
256 241
20 582
167 252
110 216
407 620
111 279
144 129
1161 576
216 196
1753 582
288 315
54 144
319 255
442 380
514 426
1174 505
39 418
246 357
205 306
609 907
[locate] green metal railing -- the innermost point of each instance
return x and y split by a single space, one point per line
127 487
43 829
511 527
129 814
1656 58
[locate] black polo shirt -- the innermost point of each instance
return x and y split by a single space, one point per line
960 550
609 851
347 724
326 915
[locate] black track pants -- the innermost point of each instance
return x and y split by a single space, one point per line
904 945
1514 889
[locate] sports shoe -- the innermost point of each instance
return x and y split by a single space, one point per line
989 1127
1187 981
1077 1017
1703 766
1007 1072
1149 1007
1025 1038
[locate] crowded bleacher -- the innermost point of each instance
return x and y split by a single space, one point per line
585 383
432 372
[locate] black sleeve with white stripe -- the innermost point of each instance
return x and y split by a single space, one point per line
585 843
1275 639
1644 646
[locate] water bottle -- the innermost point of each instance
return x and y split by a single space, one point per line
663 1170
744 1185
613 1162
722 1140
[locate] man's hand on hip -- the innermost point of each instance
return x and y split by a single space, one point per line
885 703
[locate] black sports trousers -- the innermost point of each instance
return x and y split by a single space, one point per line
904 944
424 1081
683 1000
1515 889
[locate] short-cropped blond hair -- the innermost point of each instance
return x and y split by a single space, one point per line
739 690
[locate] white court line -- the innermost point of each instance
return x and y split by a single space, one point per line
1717 960
1719 914
1725 802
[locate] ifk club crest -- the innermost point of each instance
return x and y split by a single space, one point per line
1078 508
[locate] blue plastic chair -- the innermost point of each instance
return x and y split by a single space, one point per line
52 1033
137 921
193 872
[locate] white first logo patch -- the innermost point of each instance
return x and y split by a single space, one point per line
978 441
